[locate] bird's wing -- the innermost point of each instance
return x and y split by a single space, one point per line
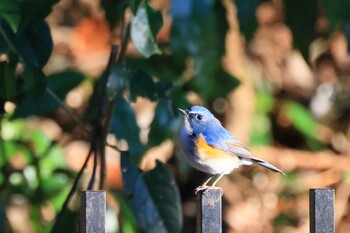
236 148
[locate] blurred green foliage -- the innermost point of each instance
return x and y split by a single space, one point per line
261 132
338 16
301 17
32 166
246 16
60 84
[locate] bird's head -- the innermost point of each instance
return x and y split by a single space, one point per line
198 119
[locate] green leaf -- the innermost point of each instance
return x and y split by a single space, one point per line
155 20
301 18
301 118
303 121
140 200
33 78
202 38
14 136
346 29
211 82
124 126
134 5
68 222
117 81
9 10
7 81
34 88
4 223
113 9
51 186
285 219
154 197
2 106
336 11
144 28
166 196
35 44
178 97
261 133
58 200
163 67
9 148
34 11
39 101
52 161
4 47
128 222
63 82
13 130
246 11
141 84
223 83
199 30
264 101
164 124
40 142
35 216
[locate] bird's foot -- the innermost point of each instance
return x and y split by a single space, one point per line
201 188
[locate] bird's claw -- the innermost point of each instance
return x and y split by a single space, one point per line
201 188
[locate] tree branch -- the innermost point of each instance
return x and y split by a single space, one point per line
105 128
111 104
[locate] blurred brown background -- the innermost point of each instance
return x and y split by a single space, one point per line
291 109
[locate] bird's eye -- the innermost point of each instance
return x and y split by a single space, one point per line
199 117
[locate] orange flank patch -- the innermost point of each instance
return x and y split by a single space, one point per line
209 152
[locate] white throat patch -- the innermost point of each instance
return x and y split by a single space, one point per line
188 126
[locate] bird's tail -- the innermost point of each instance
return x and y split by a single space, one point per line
269 166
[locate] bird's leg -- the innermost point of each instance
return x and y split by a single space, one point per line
217 179
207 181
203 186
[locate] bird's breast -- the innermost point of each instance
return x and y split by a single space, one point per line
196 151
217 161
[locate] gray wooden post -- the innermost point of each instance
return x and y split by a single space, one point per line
93 212
209 210
322 211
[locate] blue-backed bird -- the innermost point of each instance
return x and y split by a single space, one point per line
207 146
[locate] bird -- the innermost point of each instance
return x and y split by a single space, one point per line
207 146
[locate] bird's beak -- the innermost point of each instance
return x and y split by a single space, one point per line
185 112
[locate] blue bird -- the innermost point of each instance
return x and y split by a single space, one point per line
207 146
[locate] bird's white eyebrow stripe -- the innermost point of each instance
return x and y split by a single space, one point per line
195 113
